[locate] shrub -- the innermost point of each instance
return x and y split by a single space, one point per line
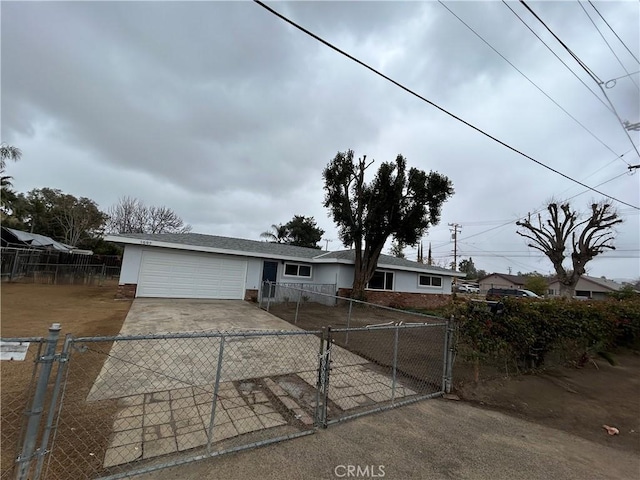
525 332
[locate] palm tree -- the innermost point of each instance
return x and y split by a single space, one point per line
278 234
7 152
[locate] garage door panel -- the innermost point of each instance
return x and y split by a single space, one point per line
187 275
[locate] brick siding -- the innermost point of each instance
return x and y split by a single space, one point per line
402 299
128 290
251 295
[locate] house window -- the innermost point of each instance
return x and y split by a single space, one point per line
297 270
551 291
381 281
429 281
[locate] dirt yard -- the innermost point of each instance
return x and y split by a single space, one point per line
577 401
29 310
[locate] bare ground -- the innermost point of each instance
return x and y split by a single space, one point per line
29 310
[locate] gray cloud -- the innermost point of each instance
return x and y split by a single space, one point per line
227 115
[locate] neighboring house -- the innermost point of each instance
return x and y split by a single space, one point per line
501 280
192 265
587 287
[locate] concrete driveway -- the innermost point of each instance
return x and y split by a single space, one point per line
165 387
144 366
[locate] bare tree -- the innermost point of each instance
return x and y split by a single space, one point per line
131 215
562 230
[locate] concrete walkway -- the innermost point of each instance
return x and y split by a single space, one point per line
434 439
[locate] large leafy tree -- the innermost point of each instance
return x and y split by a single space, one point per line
468 267
397 203
300 231
303 232
566 237
58 215
537 284
131 215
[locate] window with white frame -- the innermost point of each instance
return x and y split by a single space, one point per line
381 281
429 281
297 270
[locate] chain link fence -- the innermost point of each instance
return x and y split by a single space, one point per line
20 368
59 268
116 406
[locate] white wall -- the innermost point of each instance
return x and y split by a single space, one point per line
408 282
254 273
130 264
339 274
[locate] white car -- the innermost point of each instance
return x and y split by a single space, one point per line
463 288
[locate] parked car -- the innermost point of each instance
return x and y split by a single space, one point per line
464 288
498 293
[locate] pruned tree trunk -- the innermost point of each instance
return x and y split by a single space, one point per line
566 291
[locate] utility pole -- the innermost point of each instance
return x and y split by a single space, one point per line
455 230
326 244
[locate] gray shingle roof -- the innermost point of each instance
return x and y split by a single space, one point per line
226 243
276 249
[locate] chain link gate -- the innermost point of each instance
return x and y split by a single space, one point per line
112 407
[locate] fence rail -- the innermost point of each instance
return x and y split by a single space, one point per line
115 406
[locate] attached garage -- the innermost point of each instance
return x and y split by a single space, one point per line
177 274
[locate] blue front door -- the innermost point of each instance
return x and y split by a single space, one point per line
269 274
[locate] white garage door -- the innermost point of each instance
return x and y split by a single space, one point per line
190 275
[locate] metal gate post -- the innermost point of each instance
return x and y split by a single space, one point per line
14 267
445 357
346 338
37 406
269 295
216 388
298 306
450 331
324 365
395 363
320 380
62 367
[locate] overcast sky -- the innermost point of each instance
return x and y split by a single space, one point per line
227 115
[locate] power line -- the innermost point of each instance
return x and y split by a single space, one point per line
614 32
433 104
527 78
606 84
586 69
607 43
556 55
564 45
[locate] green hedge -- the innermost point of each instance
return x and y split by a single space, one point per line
534 333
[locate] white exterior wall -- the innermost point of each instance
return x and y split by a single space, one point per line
254 273
326 274
408 282
339 274
131 259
